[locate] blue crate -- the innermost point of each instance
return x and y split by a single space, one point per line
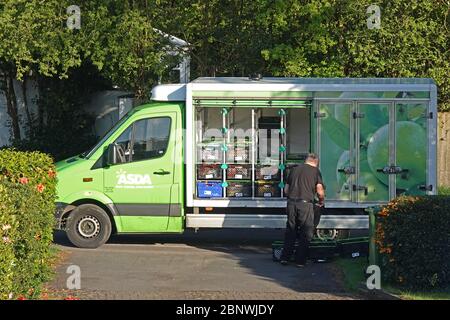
209 189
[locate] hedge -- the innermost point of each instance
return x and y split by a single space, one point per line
27 205
413 238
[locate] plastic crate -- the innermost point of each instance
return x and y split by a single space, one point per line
267 172
209 189
209 171
239 189
236 171
267 190
238 153
211 153
277 250
318 250
322 250
354 247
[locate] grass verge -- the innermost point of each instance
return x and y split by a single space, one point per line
353 271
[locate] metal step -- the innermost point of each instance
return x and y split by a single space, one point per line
271 221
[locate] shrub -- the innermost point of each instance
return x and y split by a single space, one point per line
27 204
444 190
413 237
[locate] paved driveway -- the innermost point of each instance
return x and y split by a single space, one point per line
213 264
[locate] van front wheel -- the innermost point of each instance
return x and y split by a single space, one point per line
88 226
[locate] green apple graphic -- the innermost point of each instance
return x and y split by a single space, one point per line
412 112
344 161
330 152
375 116
344 193
337 131
376 190
414 191
342 114
411 153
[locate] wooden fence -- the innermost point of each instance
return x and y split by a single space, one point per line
444 149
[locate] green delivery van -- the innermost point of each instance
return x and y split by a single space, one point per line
215 153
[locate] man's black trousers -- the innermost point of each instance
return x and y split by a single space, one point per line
300 225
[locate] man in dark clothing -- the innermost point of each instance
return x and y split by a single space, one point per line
302 185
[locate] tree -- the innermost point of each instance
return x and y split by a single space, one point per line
121 42
115 36
330 38
33 39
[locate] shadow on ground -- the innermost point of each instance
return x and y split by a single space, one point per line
225 259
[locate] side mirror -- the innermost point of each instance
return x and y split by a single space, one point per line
111 155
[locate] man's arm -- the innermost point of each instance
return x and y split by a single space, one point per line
321 193
286 189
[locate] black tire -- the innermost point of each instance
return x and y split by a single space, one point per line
88 226
332 234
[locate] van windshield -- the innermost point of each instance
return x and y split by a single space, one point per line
87 154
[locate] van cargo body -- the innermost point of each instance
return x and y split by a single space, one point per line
216 152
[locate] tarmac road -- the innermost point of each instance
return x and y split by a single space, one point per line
212 264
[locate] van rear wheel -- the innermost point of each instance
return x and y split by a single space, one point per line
88 226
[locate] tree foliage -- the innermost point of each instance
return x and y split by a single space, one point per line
317 38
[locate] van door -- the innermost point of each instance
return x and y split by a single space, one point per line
140 184
355 143
336 150
411 145
375 142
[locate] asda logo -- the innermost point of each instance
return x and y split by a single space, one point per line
133 180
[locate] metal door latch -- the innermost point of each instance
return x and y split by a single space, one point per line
392 170
347 170
426 188
357 115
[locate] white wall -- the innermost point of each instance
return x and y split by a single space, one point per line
107 109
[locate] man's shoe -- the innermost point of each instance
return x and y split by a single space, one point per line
299 265
283 262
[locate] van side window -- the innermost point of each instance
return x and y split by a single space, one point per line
151 137
123 143
144 139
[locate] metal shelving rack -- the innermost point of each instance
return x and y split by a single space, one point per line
283 148
226 137
227 122
254 144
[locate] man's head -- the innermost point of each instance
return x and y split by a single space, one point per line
312 159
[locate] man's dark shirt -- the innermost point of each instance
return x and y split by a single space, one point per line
302 181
